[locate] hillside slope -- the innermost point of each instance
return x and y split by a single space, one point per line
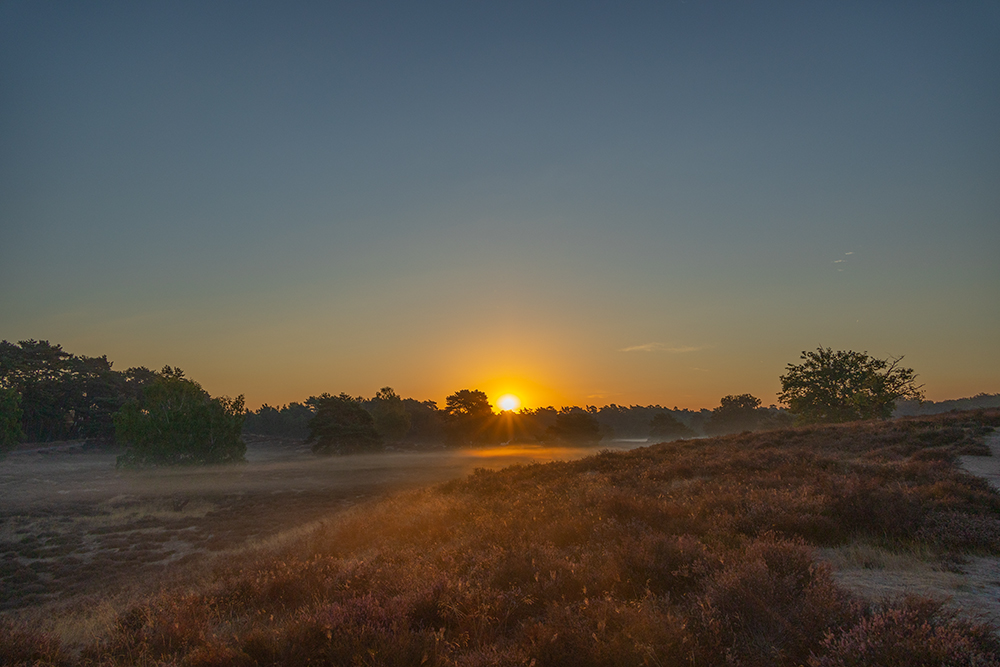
700 552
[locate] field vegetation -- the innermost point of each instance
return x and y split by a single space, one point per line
693 552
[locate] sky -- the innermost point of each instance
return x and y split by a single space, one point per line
577 203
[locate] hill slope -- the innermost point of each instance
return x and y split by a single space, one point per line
687 553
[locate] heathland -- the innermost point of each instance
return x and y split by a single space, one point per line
724 550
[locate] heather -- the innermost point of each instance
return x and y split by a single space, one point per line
694 552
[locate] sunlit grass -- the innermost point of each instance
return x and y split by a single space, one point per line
686 553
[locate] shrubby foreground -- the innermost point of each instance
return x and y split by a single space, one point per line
684 553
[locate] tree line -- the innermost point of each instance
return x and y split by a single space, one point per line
159 417
162 417
468 418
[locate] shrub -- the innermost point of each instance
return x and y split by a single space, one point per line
177 423
917 633
22 645
766 605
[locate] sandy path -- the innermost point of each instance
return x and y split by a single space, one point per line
973 587
987 467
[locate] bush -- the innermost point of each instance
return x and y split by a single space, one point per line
177 423
917 633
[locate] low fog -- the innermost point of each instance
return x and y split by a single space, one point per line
62 473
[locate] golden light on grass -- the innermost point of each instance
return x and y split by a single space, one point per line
509 402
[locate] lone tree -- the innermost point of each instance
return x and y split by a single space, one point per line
469 417
341 426
176 422
845 386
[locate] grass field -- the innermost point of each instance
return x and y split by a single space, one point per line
700 552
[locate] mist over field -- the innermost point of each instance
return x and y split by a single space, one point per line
650 555
61 473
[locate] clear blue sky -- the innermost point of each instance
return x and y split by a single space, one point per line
576 202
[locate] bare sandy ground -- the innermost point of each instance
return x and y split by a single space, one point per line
972 586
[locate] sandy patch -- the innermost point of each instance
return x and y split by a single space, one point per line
971 586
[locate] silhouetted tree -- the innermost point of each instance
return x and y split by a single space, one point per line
633 421
469 417
426 421
575 426
177 423
342 426
845 386
664 427
392 421
10 420
288 421
734 415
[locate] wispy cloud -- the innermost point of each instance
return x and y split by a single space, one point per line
661 347
843 260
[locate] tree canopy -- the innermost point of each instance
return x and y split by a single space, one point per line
469 417
845 386
575 426
176 422
736 413
342 426
10 420
289 421
664 426
392 420
64 396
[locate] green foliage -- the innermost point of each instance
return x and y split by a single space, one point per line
64 396
845 386
664 426
10 420
342 426
176 422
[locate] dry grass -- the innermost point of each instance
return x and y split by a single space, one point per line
686 553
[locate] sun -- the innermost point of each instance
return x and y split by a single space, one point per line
509 402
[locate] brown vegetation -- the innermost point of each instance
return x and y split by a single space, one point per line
685 553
